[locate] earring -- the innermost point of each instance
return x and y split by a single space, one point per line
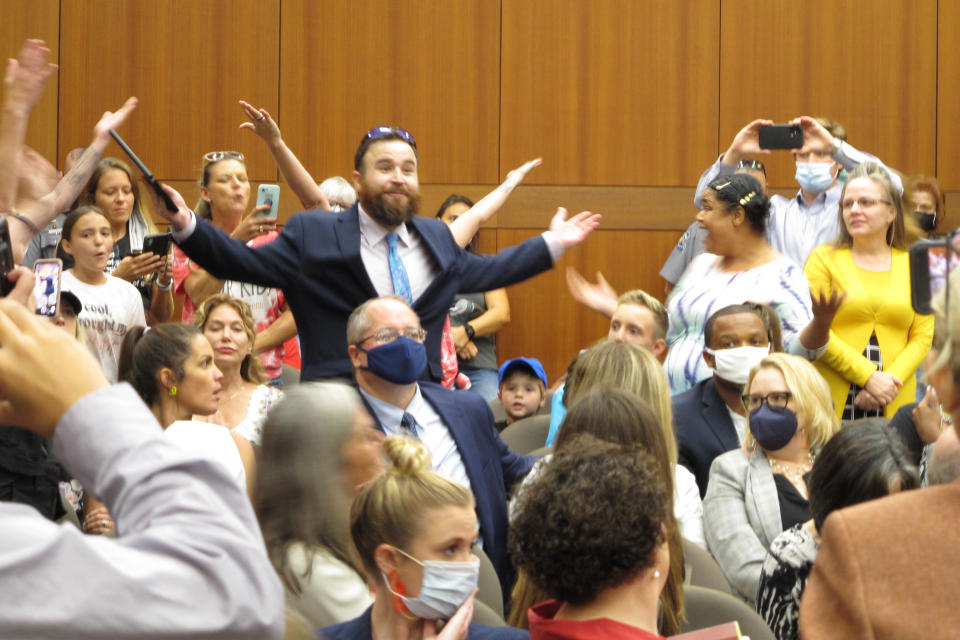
173 391
656 573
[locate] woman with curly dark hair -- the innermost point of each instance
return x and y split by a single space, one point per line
591 531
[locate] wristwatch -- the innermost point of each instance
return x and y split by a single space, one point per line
470 330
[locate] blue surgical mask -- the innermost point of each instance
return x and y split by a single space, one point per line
814 176
445 586
772 428
401 362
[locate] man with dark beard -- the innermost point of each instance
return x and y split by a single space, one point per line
329 264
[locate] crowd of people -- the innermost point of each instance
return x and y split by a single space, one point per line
163 477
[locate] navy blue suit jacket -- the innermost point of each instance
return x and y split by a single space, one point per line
316 262
362 629
491 467
704 429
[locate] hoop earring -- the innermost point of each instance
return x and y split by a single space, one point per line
173 391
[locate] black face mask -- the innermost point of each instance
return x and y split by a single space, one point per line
927 221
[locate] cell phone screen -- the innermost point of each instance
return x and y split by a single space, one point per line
46 289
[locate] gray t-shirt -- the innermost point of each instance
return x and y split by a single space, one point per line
466 307
688 247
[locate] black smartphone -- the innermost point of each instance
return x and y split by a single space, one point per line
929 260
6 258
147 175
46 288
157 243
780 136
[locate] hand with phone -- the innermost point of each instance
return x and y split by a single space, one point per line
133 267
747 142
254 225
816 138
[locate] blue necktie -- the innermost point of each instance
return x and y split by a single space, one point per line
401 285
409 424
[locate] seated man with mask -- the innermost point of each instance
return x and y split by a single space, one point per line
386 347
710 419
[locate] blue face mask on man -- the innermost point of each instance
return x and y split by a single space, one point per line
814 176
401 361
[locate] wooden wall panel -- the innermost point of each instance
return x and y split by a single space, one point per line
610 92
431 67
188 62
546 322
948 96
35 19
870 66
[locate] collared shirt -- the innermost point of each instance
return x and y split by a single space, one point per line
796 228
183 526
416 257
432 432
44 244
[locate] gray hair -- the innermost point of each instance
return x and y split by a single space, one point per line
337 188
300 495
358 324
944 462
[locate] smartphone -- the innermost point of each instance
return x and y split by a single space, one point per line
780 136
147 175
268 194
6 258
157 243
46 288
929 269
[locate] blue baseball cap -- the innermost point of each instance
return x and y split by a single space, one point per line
531 364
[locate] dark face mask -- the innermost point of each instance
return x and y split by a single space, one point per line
401 362
772 428
927 221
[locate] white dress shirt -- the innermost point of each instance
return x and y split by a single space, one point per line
416 257
432 432
188 560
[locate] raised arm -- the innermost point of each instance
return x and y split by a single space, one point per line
292 170
467 225
745 143
22 85
42 211
600 297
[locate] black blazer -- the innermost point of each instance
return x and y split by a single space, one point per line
704 429
316 262
492 468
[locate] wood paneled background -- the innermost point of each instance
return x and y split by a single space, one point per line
627 101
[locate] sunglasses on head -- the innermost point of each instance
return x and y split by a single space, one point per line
381 132
752 165
216 156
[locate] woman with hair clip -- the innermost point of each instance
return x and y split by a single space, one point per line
113 189
877 340
224 197
621 418
307 475
111 306
758 491
413 530
171 368
245 398
739 265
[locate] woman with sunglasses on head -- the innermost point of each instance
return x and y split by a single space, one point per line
757 492
877 341
224 198
113 190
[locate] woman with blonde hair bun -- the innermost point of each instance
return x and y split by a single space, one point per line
413 531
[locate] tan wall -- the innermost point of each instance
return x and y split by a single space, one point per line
626 100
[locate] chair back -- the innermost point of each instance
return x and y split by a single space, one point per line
547 405
709 608
523 436
499 414
289 375
701 570
488 585
482 614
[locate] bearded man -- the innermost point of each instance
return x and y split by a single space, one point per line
328 264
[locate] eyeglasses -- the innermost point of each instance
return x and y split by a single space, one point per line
381 132
865 203
385 336
216 156
752 165
776 400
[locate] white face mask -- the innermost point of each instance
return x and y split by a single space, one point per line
445 586
733 365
